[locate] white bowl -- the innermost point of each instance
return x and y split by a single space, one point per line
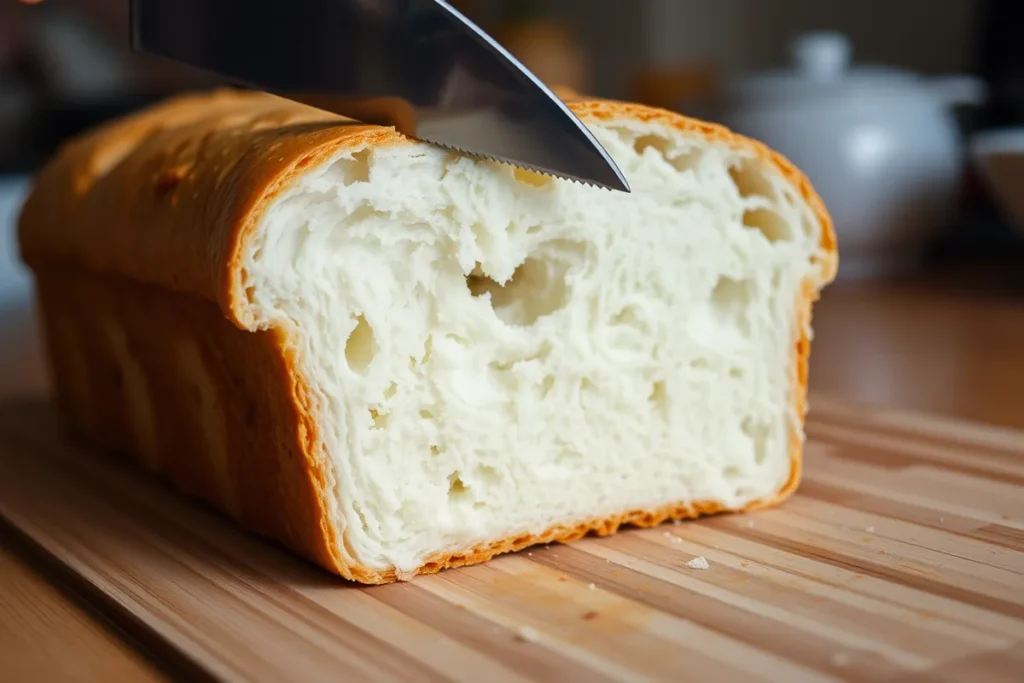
998 154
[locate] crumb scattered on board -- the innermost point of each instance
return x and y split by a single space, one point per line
591 586
590 616
698 563
527 634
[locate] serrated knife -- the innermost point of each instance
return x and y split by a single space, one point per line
419 65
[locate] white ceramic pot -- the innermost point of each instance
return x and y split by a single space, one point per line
21 362
14 277
879 144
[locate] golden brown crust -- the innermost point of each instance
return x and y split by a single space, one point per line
211 391
196 173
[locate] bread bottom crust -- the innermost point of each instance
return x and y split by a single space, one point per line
165 380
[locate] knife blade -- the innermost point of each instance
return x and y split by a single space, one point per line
419 65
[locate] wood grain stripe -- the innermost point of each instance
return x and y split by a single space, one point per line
992 534
971 623
472 591
864 443
926 428
43 635
624 574
634 628
857 476
830 605
900 558
173 594
883 564
484 635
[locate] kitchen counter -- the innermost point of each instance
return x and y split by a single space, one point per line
950 345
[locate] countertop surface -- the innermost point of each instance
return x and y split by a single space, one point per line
900 558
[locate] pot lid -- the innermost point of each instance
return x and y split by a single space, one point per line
821 67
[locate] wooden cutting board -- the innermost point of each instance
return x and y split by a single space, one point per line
901 558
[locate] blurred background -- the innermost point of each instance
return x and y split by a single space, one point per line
904 113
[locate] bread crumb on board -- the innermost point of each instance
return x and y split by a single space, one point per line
698 563
527 634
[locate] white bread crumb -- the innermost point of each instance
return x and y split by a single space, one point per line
527 634
698 563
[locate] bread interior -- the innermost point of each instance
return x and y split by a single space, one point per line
492 352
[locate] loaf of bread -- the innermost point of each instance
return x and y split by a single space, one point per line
395 359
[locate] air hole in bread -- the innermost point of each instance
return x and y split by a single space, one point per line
380 420
528 177
658 393
538 287
360 347
773 226
808 226
355 169
489 475
645 142
681 159
750 181
659 399
730 301
457 490
758 433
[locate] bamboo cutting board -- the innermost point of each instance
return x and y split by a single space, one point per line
901 558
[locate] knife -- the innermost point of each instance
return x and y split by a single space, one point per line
418 65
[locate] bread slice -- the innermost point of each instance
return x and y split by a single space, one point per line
396 359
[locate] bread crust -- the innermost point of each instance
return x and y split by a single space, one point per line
136 233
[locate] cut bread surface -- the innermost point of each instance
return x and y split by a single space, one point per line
492 352
425 359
